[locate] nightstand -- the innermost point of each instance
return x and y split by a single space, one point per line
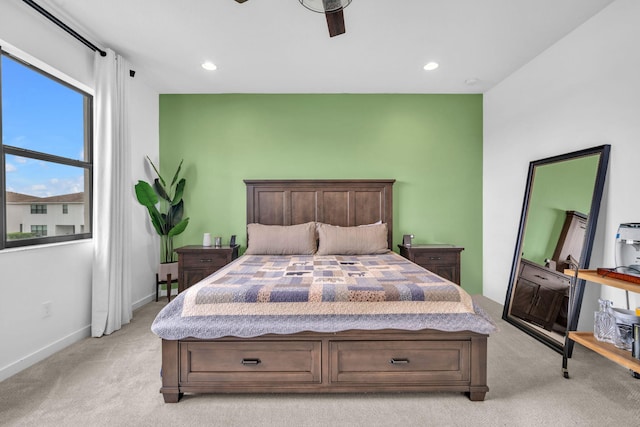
197 262
443 260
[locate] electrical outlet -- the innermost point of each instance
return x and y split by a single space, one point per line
46 309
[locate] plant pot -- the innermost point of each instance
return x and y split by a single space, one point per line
166 268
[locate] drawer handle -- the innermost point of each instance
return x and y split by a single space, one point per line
206 260
395 361
540 277
435 258
251 361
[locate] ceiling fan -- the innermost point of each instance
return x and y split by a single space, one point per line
332 10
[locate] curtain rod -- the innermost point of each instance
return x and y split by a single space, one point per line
65 27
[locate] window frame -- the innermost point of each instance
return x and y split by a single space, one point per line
86 164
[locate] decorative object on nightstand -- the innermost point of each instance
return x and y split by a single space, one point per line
197 262
442 259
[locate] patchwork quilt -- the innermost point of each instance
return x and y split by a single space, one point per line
257 295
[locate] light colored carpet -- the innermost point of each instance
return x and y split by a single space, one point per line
114 381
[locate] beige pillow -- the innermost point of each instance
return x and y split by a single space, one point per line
297 239
335 240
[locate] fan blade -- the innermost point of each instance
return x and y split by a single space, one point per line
335 22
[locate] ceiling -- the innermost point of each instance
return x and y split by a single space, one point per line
278 46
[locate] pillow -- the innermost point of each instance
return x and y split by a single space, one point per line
375 223
368 240
297 239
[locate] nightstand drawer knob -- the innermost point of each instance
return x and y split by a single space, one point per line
251 361
206 260
435 258
399 361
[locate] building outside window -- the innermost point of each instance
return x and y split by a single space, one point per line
46 151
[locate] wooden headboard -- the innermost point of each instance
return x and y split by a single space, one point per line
335 202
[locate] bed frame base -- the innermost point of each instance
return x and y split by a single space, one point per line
345 362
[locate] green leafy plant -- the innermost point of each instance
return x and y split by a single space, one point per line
167 219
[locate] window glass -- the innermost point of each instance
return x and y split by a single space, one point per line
39 113
46 154
38 230
38 209
38 191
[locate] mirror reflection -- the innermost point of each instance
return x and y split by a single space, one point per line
562 199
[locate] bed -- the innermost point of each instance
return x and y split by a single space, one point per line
327 317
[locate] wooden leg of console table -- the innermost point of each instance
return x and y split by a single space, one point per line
170 371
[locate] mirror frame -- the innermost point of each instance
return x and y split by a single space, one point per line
592 221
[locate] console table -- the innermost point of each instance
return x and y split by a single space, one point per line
610 351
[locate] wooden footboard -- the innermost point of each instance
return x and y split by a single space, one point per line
345 362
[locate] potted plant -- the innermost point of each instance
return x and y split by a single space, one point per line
166 207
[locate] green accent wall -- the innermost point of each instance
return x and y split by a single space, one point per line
430 144
557 188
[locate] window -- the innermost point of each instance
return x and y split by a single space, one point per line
39 230
45 156
38 209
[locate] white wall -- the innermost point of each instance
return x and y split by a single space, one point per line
61 274
582 92
144 126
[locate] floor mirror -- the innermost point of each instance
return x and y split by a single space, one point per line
559 216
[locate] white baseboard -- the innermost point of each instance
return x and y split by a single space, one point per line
145 300
41 354
152 297
44 352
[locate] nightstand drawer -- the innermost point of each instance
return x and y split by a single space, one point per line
442 258
544 276
207 261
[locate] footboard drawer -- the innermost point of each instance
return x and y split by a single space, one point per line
237 362
405 362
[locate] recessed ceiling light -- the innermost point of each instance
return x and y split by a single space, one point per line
209 66
431 66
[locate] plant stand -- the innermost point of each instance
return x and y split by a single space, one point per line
167 274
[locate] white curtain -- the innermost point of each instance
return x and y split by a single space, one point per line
111 296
